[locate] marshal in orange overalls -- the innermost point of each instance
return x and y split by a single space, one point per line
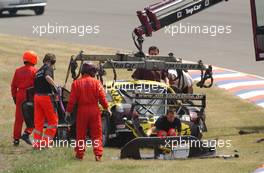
22 80
87 92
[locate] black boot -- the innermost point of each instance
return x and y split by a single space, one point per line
25 137
16 142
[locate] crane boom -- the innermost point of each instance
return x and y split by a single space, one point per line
164 13
167 12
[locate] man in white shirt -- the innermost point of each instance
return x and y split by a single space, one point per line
180 81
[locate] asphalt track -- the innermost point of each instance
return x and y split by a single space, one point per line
117 19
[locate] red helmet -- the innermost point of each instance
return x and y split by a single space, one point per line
31 57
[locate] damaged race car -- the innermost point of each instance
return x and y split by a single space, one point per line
133 116
136 104
121 127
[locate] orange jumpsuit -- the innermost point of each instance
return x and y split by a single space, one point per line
87 92
23 79
44 109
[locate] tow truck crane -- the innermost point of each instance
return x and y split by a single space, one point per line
152 19
164 13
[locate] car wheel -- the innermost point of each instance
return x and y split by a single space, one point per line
195 131
12 12
39 10
203 126
122 139
105 129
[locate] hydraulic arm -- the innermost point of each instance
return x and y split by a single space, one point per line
164 13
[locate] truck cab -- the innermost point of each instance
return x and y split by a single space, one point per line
257 14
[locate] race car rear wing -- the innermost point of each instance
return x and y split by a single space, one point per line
134 61
154 65
121 57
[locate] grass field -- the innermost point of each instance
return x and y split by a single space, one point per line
226 115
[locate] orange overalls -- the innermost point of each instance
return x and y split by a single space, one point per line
23 79
44 109
87 92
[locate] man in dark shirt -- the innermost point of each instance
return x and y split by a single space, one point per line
43 78
44 104
166 125
153 75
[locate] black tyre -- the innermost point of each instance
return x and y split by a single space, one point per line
203 126
39 10
195 131
12 12
121 140
105 128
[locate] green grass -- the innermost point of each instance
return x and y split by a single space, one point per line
226 115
